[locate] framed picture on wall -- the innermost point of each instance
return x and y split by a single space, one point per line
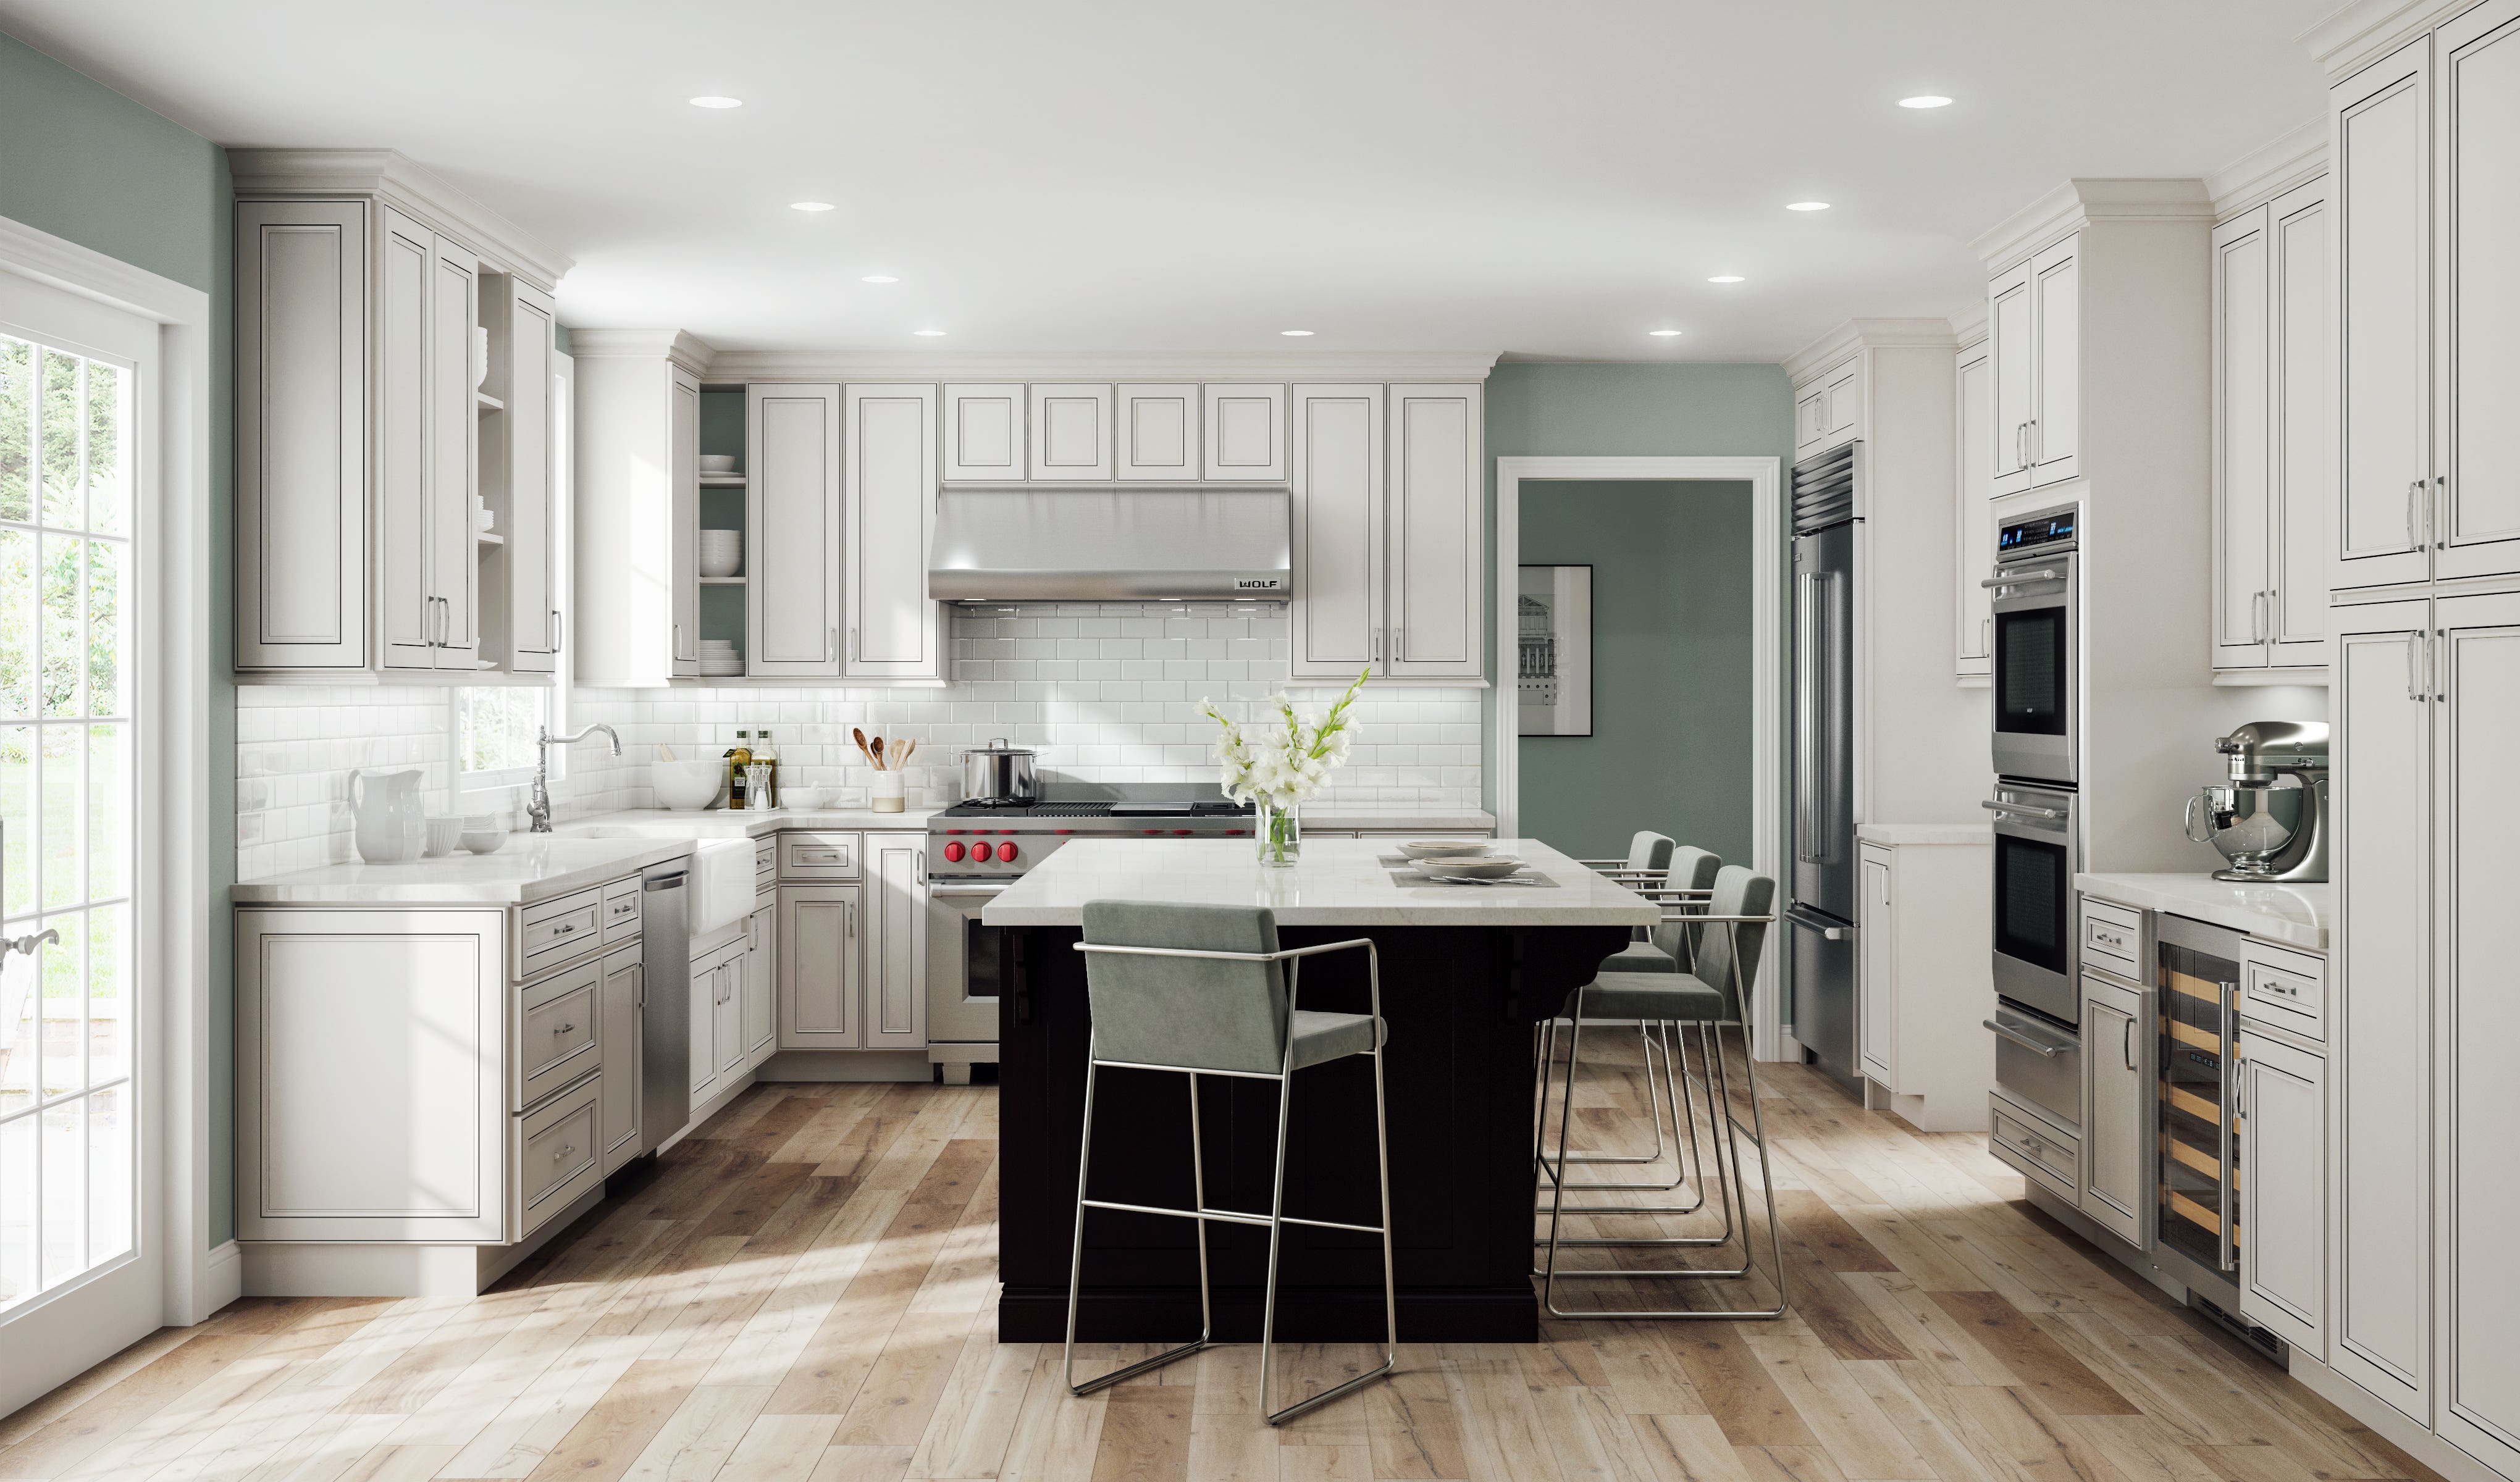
1554 682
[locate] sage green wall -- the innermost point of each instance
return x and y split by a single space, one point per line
1670 748
85 164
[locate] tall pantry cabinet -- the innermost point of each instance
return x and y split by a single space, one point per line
395 355
2425 653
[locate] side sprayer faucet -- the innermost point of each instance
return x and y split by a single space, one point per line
539 810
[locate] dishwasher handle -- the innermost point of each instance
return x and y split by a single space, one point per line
2048 1052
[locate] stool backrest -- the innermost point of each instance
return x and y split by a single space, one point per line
1201 1014
1738 892
1691 868
1649 850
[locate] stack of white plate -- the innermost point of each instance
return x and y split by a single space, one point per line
721 552
718 658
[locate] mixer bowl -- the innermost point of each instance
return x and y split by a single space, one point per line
2249 824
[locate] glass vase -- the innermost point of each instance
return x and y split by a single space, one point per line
1277 834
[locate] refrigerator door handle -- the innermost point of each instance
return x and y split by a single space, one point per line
1806 715
1830 931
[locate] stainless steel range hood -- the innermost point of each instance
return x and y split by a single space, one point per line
1111 543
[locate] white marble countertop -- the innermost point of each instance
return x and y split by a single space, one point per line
2295 915
1926 833
1338 882
719 822
529 867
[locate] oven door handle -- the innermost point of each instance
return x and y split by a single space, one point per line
938 889
2024 578
2050 1052
2001 805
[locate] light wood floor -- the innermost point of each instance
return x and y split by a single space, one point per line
803 1293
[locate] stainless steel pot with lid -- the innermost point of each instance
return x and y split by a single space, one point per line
998 772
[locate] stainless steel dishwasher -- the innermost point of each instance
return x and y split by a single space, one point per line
665 958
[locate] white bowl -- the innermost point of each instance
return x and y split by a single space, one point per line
1495 869
686 784
1445 848
442 835
717 462
806 798
720 557
484 837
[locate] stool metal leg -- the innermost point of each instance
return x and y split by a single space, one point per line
1685 1149
1076 1257
1721 1186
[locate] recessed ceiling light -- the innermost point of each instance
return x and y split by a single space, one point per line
1295 333
879 278
1925 100
809 205
928 334
1806 205
1662 333
716 102
1726 278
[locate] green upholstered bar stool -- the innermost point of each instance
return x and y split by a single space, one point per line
1726 940
1206 990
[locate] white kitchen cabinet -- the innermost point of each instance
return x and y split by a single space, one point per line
1876 966
2380 118
716 1020
984 431
1973 518
529 504
1922 949
622 1043
1244 430
727 1030
1388 533
2476 221
893 631
2271 372
793 530
454 460
1437 600
425 465
1811 419
819 966
2282 1119
1829 407
634 534
1071 433
761 985
2010 355
2117 1092
1156 431
680 538
1335 619
2382 1058
2056 336
896 942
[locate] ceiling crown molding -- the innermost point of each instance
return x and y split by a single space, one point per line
2362 31
261 174
681 347
2079 200
2297 157
1095 364
1866 335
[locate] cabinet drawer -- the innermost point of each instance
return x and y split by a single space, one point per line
2036 1147
2113 939
621 910
557 1158
2284 990
555 1032
765 854
818 856
551 933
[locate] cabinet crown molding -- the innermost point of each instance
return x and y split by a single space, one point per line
681 347
2362 31
267 173
1864 335
2295 157
1968 323
2079 200
1029 366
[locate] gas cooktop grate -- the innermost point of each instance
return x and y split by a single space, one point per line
1079 810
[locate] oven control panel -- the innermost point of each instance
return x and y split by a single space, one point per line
2047 530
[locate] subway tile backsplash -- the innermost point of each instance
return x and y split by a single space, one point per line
1103 692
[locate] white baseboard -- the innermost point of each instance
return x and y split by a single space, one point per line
382 1268
222 1280
2393 1426
849 1066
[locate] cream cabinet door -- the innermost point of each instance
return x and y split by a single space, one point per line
761 985
1071 433
1876 982
301 416
1245 429
704 1029
984 431
621 1041
893 631
2009 348
793 543
896 945
1811 418
729 1030
2057 336
532 605
1436 605
2283 1190
406 602
2381 707
2476 1022
1845 390
2379 121
2243 441
1156 431
1336 620
2303 360
1972 518
2117 1093
683 460
2476 205
820 949
454 451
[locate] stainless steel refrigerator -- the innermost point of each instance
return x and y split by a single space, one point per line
1820 919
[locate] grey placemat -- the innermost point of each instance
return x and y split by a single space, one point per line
1410 879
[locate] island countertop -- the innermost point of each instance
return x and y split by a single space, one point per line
1338 882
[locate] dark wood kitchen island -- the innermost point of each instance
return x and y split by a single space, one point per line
1466 972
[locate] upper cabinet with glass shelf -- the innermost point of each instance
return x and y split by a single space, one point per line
396 509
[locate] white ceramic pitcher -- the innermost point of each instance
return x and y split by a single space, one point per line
385 810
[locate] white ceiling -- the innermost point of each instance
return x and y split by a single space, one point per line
1542 179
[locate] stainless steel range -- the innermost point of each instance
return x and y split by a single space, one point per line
975 850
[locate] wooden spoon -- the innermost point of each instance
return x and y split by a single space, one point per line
859 733
879 755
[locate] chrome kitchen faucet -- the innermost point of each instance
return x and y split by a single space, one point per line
539 809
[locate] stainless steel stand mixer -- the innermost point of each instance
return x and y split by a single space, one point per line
2269 820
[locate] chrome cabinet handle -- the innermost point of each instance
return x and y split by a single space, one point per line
848 918
2257 617
566 1029
554 627
831 644
565 1148
2414 491
856 655
2129 1045
1986 638
2414 646
2431 513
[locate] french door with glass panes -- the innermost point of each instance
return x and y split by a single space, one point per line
77 1267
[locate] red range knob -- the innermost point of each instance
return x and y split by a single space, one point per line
1182 833
954 852
1007 853
980 852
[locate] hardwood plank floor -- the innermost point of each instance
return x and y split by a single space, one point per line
803 1292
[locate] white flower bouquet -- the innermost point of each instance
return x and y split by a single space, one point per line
1280 763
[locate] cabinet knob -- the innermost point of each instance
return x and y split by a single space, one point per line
566 1029
565 1151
